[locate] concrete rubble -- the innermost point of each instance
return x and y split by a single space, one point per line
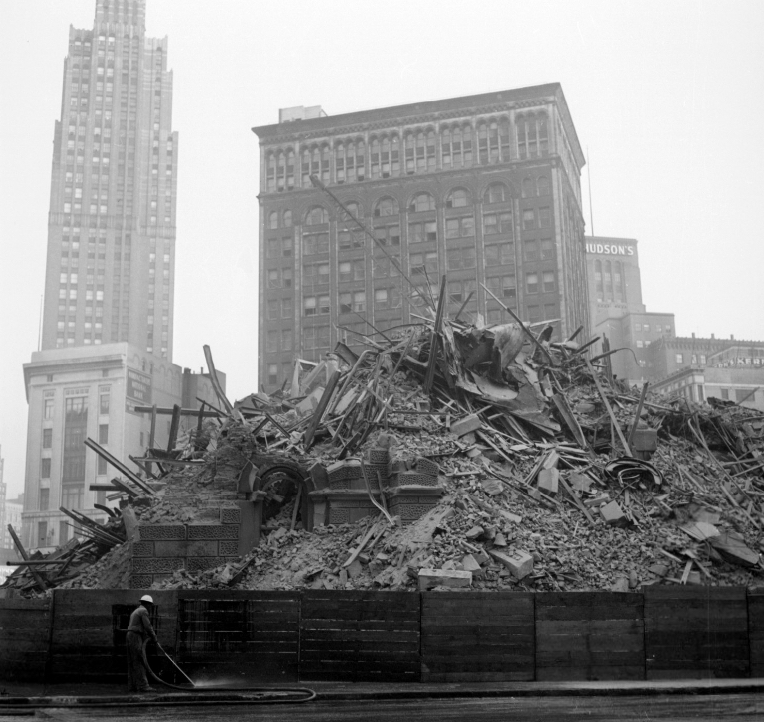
445 456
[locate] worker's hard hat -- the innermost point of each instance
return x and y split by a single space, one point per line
147 598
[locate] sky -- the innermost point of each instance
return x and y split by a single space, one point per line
666 97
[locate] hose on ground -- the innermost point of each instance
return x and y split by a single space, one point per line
284 694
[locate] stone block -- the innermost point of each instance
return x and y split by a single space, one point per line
353 469
318 475
468 424
342 484
426 466
338 516
645 440
142 549
230 515
470 564
613 514
174 548
213 531
199 564
379 456
225 548
336 471
454 578
414 478
249 529
141 581
154 565
151 532
548 480
519 563
205 547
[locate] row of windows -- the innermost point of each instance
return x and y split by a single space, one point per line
419 151
419 203
646 327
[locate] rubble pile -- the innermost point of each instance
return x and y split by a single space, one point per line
473 458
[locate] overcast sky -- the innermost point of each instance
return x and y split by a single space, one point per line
666 97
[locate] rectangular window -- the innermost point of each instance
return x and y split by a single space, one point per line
388 235
104 404
638 327
101 468
679 358
500 254
744 395
531 250
47 438
725 394
529 219
347 240
545 217
532 282
548 281
463 227
72 496
640 343
547 249
44 500
646 327
503 287
272 342
703 359
272 307
314 243
42 533
496 223
103 433
45 469
75 433
47 410
457 258
423 231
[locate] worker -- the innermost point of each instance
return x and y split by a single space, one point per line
138 631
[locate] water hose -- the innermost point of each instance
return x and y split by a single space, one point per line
270 694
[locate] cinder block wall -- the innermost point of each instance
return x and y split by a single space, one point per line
161 549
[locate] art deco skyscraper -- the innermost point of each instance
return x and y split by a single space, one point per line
111 234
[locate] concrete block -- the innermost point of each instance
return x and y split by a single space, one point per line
150 532
645 440
454 578
199 564
142 549
154 565
414 478
379 456
470 564
466 425
426 466
141 581
548 480
206 547
225 549
174 548
230 515
336 471
613 514
519 563
213 531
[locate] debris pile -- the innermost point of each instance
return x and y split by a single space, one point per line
464 457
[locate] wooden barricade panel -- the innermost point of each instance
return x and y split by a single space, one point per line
756 632
477 637
239 635
24 638
89 628
696 632
589 636
359 636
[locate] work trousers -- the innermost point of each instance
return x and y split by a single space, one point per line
136 672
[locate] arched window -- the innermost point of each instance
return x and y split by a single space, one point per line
355 209
618 281
543 185
528 188
287 219
421 161
316 216
496 193
458 198
306 168
422 202
280 171
431 150
360 160
326 164
395 152
273 219
386 207
467 144
532 135
339 162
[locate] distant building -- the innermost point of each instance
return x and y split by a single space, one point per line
107 331
616 307
700 368
92 392
13 512
483 189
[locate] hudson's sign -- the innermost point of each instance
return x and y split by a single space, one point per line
610 249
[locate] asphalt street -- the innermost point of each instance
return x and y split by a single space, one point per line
638 708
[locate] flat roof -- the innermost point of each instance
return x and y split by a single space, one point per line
412 110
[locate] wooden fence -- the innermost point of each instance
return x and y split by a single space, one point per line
663 633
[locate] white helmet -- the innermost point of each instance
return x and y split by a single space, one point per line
147 598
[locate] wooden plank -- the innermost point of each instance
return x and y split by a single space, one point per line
590 672
674 591
618 612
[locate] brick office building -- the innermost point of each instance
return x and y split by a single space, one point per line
484 189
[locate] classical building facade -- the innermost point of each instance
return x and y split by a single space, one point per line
483 189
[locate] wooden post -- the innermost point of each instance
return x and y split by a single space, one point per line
25 557
174 424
